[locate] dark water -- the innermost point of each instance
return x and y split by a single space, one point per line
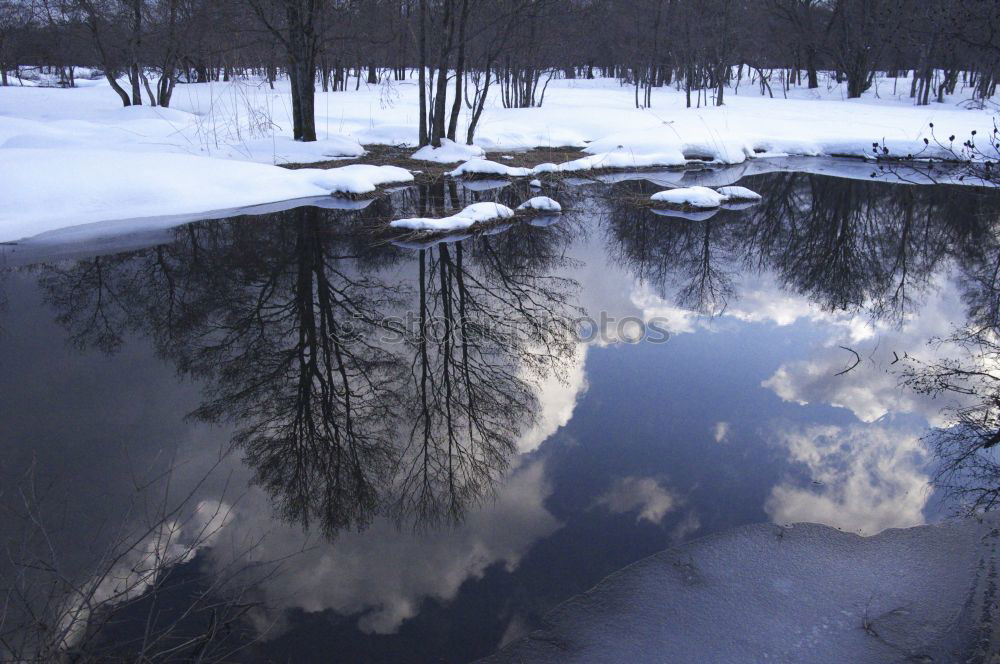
361 451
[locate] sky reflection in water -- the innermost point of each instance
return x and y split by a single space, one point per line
438 494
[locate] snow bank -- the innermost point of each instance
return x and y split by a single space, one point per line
487 167
696 197
614 159
650 147
541 204
450 152
803 594
285 150
245 121
42 193
473 214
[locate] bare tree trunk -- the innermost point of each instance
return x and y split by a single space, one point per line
135 70
479 104
811 67
149 90
459 71
422 78
441 94
301 44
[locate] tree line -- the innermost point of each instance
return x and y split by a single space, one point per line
460 50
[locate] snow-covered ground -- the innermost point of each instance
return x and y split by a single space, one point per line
805 593
73 156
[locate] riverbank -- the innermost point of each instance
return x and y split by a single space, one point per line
73 156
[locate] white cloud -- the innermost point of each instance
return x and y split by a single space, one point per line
761 300
557 396
689 525
386 573
720 431
863 478
640 494
675 319
872 390
136 569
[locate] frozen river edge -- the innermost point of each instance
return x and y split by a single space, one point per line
802 593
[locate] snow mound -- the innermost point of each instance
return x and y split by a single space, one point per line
805 594
736 194
356 178
473 214
537 184
541 204
450 152
703 198
696 197
487 167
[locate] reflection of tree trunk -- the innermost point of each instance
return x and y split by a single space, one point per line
444 262
337 425
424 373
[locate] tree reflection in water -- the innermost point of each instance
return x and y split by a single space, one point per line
286 321
368 380
848 245
859 247
297 328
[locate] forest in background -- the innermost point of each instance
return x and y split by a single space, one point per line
458 50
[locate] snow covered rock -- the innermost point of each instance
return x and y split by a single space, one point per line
450 152
475 213
486 167
695 197
536 184
805 594
540 204
736 194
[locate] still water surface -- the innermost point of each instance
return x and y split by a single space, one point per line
429 496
